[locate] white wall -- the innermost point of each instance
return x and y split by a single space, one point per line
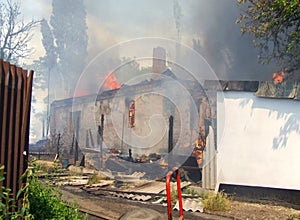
258 141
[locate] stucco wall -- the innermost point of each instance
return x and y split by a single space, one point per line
258 143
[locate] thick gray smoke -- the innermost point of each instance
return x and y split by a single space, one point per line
211 24
177 17
230 54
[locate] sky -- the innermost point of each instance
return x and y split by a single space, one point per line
211 23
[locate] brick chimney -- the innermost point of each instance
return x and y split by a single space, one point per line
159 60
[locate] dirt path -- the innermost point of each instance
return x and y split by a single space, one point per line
247 210
112 208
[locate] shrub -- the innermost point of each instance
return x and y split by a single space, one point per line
46 203
38 201
215 201
95 178
294 217
190 191
8 208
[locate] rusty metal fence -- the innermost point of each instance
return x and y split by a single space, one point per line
15 102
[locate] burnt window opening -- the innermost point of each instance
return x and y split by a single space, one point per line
131 114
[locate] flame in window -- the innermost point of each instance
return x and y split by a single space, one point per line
131 114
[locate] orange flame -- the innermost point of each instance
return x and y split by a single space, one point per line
111 82
278 78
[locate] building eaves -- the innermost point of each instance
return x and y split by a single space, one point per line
74 100
222 85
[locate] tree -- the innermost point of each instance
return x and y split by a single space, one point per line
15 33
48 43
275 24
68 22
39 86
50 61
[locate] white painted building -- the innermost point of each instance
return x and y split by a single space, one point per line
258 138
259 143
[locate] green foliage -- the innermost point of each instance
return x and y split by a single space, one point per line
276 26
173 195
48 43
215 201
69 29
38 201
8 208
190 191
211 201
46 203
96 178
52 168
294 217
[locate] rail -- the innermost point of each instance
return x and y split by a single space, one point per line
168 191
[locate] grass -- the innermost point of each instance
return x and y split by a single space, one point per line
294 217
93 179
47 166
96 178
190 191
215 201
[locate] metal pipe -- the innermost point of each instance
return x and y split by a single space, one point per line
168 192
179 195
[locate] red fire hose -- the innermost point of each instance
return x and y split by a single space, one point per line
168 189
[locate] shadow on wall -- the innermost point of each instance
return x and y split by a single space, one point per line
291 125
286 110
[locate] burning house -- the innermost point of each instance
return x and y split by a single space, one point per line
137 118
245 136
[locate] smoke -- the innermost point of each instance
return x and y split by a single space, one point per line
209 25
231 55
177 16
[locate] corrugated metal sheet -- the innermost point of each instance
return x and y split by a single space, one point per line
15 102
135 177
145 192
132 196
194 205
151 187
147 188
149 191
